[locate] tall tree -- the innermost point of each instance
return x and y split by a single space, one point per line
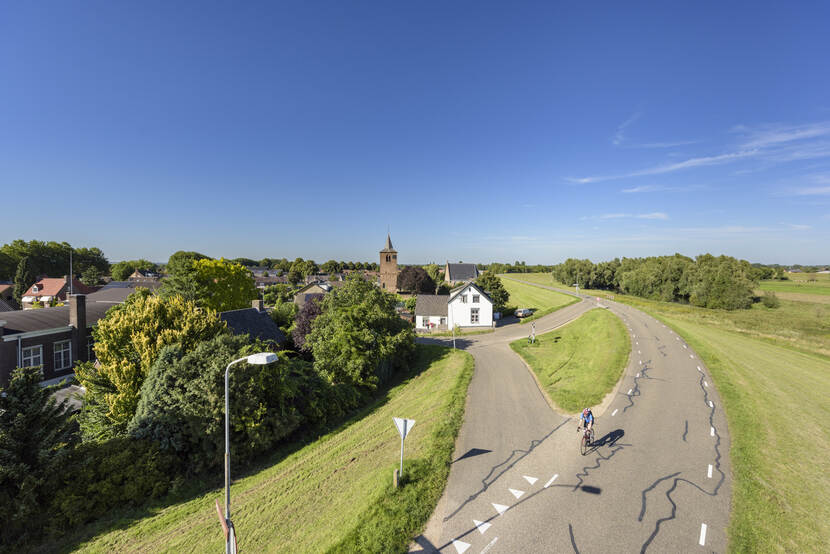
223 285
35 435
415 279
302 323
127 340
23 278
493 286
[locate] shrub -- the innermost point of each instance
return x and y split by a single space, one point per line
770 300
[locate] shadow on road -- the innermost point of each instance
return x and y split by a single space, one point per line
609 439
472 452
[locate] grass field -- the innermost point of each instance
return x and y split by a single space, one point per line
538 278
804 291
772 371
541 301
580 363
335 493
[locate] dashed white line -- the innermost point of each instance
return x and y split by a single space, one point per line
637 343
711 431
709 473
684 346
489 545
705 384
613 413
629 391
639 352
638 375
702 540
691 356
552 479
482 526
711 404
518 494
700 370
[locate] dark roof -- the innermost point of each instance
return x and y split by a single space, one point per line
461 272
23 321
252 322
5 306
456 291
431 304
389 247
131 285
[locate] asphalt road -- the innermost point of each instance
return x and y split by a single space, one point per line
658 479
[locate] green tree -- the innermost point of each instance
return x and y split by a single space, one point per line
415 279
434 272
92 276
359 339
494 288
23 278
122 270
127 341
294 277
36 434
182 261
330 267
223 285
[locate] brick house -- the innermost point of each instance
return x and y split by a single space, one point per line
49 289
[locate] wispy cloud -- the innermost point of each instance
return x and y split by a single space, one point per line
797 226
669 168
813 191
659 188
652 215
772 135
619 136
662 144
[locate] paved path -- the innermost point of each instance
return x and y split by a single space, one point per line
658 481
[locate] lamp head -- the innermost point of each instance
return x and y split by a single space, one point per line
262 358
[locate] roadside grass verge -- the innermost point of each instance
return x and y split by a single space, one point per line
581 362
541 301
461 333
777 403
334 494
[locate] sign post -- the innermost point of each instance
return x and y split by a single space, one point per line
533 332
404 426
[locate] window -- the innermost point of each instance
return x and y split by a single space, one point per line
32 356
443 321
463 298
476 299
63 355
473 315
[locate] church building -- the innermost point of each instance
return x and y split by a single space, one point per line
389 267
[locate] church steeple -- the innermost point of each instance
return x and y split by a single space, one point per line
388 247
389 266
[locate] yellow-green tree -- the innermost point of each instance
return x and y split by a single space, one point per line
223 285
127 342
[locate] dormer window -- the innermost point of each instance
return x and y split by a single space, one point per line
35 289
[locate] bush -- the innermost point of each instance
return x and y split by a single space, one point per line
770 300
100 476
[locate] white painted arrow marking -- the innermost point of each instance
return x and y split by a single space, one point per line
482 525
613 413
517 494
552 479
500 508
530 480
460 546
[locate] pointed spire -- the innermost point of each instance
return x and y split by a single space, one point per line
389 241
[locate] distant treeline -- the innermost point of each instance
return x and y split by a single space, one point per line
516 267
712 282
49 258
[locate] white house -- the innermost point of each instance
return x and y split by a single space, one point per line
466 306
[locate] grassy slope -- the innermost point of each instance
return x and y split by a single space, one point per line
542 301
580 363
335 493
538 278
769 367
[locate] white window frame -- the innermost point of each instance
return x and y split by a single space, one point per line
59 349
28 356
476 299
463 298
474 315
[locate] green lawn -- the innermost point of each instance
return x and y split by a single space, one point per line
818 291
335 493
580 363
541 301
770 366
538 278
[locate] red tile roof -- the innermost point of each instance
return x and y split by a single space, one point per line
54 286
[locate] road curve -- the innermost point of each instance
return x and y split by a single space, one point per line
658 481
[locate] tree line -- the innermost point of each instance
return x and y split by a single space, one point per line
706 281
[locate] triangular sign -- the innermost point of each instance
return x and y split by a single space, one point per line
404 425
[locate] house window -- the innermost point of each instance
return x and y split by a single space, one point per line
32 356
63 355
473 315
476 298
443 321
463 298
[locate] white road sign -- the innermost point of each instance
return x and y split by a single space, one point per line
404 425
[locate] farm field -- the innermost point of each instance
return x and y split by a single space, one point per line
541 301
334 493
578 364
817 291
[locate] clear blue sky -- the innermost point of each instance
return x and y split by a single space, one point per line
478 131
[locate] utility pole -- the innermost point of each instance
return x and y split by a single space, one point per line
71 278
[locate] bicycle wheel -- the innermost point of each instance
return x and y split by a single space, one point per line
583 445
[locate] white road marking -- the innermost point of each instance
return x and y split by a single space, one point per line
489 545
638 375
482 526
639 352
641 362
516 493
676 338
702 540
709 473
705 384
700 370
460 546
629 391
552 479
613 413
530 480
500 508
637 343
711 431
691 356
684 346
711 405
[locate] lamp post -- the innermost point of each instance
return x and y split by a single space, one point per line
260 358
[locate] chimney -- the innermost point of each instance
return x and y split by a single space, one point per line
258 305
77 319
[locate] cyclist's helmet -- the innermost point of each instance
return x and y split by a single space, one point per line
585 411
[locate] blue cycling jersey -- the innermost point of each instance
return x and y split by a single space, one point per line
587 419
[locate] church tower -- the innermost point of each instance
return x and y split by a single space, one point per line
389 267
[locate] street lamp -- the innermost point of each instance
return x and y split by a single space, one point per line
260 358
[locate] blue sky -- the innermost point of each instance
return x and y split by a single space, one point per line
477 131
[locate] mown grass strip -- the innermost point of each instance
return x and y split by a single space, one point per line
580 363
334 494
541 301
777 403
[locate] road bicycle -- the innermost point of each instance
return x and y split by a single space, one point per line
587 440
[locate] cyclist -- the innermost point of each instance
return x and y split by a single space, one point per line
588 418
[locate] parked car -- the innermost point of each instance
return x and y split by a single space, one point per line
524 312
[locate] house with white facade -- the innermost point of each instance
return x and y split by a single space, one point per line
465 306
